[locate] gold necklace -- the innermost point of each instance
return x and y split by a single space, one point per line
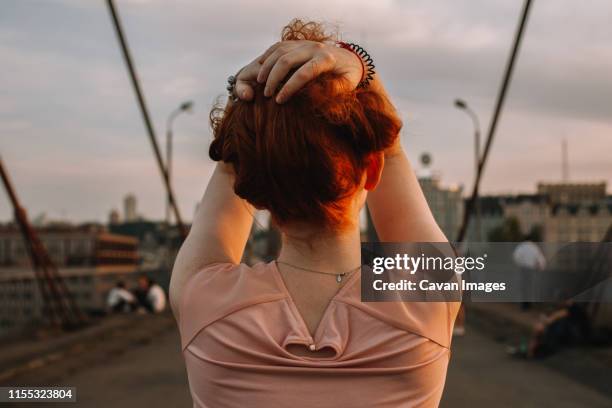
339 276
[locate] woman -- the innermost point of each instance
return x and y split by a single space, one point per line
309 137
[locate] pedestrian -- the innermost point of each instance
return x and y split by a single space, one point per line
530 261
151 296
141 294
568 325
120 300
156 297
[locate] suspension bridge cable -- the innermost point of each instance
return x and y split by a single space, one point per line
493 125
145 115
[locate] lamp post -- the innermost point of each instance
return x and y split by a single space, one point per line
461 104
184 107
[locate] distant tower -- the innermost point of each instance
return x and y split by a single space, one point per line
129 208
425 172
426 159
564 161
113 217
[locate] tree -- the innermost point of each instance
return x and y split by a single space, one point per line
509 231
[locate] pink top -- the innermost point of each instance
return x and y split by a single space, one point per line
236 323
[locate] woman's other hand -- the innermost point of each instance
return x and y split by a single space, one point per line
309 59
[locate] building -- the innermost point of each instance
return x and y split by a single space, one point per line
571 193
446 203
157 242
113 217
576 212
578 222
69 246
130 212
529 210
561 212
491 217
90 260
565 212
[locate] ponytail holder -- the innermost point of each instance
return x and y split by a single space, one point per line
367 63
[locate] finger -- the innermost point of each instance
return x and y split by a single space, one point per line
283 66
244 80
273 55
303 75
249 73
244 90
268 64
269 51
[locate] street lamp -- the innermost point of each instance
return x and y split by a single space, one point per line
461 104
184 107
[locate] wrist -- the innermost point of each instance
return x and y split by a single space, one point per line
366 61
349 65
354 57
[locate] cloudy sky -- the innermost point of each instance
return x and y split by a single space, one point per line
72 137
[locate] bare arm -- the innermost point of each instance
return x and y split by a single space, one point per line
556 315
398 207
219 232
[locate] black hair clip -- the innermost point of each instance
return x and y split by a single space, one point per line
366 61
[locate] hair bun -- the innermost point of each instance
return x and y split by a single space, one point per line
304 159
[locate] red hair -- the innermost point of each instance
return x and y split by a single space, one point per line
303 160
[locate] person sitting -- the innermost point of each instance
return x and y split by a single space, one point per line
141 292
568 325
151 297
156 297
120 300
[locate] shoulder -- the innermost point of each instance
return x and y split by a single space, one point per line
231 281
433 320
220 289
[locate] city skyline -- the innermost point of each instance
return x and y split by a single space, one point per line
74 143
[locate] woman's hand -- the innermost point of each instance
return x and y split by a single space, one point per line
309 59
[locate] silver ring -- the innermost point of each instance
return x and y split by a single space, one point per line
231 85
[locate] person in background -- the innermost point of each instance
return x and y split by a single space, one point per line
120 300
567 325
156 297
151 297
530 260
141 293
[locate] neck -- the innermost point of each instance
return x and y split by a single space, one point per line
321 250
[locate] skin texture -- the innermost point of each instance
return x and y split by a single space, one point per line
223 221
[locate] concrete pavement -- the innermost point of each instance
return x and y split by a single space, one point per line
482 375
151 374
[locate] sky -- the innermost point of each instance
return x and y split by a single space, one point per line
73 141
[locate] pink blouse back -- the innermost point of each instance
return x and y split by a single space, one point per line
238 323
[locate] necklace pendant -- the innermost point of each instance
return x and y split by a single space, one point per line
339 277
